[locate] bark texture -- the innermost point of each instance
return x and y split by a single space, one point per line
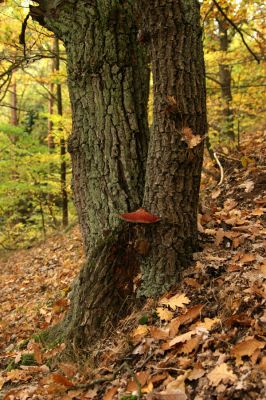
108 83
108 86
173 170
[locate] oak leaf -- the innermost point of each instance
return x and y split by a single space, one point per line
221 373
164 314
246 348
178 300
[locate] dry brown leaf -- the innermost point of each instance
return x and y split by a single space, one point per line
68 369
143 377
230 204
186 318
247 258
178 300
195 374
159 333
140 331
159 377
190 345
191 139
262 364
192 282
216 193
37 352
110 393
208 323
221 373
181 338
62 380
246 348
164 314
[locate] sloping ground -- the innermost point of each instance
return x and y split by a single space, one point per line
204 340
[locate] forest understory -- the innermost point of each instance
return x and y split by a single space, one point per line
203 340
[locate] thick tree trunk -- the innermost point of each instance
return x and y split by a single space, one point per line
108 83
108 89
173 170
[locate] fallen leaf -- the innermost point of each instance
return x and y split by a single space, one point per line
246 348
208 323
140 331
142 377
62 380
216 193
109 394
164 314
221 373
247 258
159 333
190 345
195 374
181 338
178 300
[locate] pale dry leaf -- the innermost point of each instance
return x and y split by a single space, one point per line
246 348
208 323
216 193
247 258
195 374
221 373
230 204
190 345
178 300
181 338
159 333
164 314
141 330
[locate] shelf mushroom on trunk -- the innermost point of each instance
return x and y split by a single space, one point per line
140 216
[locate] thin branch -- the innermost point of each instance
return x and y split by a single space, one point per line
22 34
236 28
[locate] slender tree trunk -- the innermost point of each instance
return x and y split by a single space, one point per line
225 81
173 170
63 166
13 98
50 137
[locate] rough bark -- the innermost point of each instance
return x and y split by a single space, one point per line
173 170
108 90
108 86
108 83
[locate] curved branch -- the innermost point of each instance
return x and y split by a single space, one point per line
236 28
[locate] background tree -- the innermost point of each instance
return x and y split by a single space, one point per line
34 190
235 101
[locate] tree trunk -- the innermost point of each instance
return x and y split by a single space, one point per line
108 81
108 85
225 81
173 170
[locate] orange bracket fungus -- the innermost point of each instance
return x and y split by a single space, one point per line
140 216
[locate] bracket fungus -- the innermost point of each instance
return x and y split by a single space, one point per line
140 216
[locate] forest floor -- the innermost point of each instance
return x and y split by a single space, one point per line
203 340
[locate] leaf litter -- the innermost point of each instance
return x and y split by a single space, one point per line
203 340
